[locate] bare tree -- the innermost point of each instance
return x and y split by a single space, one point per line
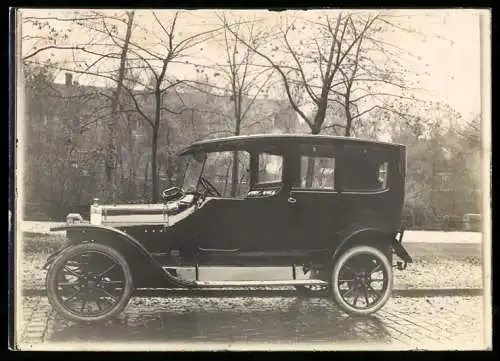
246 82
313 70
345 66
57 142
331 67
98 23
156 65
111 128
374 77
132 94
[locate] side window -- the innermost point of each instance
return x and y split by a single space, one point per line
364 170
317 172
270 168
382 175
219 168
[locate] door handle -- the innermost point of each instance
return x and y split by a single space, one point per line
292 200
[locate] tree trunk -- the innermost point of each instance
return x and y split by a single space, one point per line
310 172
146 173
131 161
348 114
156 133
110 162
154 166
319 118
310 161
154 145
234 173
120 175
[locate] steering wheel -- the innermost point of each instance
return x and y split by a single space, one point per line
210 188
171 193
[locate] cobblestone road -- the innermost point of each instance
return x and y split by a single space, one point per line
433 322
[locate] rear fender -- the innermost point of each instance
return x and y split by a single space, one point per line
399 249
143 265
372 236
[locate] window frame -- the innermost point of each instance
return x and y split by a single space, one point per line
315 150
247 155
384 157
316 189
257 182
445 181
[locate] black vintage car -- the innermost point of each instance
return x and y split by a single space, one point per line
326 207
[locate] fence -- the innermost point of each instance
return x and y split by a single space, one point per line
446 223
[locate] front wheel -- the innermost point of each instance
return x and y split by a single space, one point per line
89 283
362 280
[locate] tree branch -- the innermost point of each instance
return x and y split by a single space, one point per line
280 71
313 96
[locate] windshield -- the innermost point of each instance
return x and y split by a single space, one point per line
194 166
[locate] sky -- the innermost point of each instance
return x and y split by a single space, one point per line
446 62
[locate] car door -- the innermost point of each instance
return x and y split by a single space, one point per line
246 228
314 205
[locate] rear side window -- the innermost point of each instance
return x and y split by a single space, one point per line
364 170
382 174
270 168
317 172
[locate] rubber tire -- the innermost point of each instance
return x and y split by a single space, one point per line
336 271
52 274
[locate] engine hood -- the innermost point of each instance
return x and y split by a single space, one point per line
123 215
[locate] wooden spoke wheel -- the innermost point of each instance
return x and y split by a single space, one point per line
362 280
89 282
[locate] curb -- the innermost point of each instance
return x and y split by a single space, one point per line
438 292
229 293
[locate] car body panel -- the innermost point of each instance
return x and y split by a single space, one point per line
151 272
276 223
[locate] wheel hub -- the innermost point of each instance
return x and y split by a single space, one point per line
361 279
91 282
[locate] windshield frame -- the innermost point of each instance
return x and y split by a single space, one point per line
191 157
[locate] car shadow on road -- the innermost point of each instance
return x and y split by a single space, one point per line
254 319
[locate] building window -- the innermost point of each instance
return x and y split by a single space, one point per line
444 181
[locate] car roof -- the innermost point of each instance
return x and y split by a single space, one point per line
257 141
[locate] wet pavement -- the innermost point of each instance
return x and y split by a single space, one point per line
428 323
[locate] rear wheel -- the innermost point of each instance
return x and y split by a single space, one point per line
89 283
362 280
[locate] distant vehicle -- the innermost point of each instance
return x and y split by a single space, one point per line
331 206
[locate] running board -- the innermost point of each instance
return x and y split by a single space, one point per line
211 284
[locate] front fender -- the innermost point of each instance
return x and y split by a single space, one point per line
77 234
53 256
81 229
80 233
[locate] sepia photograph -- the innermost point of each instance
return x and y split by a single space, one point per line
222 179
